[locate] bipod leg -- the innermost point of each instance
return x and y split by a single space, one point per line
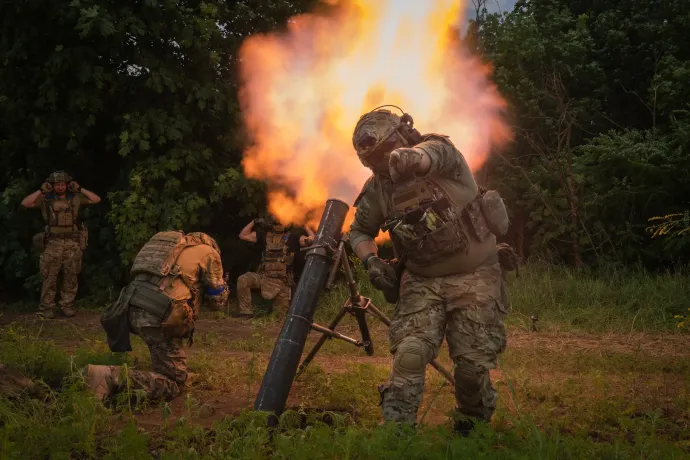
317 346
361 317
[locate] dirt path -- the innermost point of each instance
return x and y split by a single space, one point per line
210 404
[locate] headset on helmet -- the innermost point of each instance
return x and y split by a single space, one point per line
402 125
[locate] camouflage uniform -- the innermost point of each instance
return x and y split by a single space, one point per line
451 286
274 278
196 275
63 249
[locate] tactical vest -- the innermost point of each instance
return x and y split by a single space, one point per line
436 219
158 256
154 269
426 224
64 221
276 260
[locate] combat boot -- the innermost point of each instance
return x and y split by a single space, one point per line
68 311
192 378
46 313
100 381
463 427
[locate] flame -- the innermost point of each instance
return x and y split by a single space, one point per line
304 89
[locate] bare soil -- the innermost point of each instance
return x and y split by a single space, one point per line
213 404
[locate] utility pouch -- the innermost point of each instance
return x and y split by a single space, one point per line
115 322
39 241
149 298
83 237
473 214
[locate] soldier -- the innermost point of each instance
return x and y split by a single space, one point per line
275 276
173 273
423 192
63 242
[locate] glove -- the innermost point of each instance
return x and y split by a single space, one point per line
382 275
404 162
73 187
46 187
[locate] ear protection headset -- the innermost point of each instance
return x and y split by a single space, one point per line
407 130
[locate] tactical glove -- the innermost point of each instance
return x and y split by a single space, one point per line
381 275
46 187
404 162
74 187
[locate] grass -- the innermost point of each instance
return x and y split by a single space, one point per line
606 376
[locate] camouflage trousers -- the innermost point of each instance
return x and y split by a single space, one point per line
168 360
469 311
59 254
271 289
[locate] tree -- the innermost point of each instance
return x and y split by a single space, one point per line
138 101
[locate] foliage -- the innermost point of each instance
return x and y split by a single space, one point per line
599 107
138 102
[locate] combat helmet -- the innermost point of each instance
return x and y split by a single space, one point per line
205 239
59 176
378 131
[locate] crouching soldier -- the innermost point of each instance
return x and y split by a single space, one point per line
276 274
172 274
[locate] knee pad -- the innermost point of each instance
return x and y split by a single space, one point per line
242 282
411 356
467 374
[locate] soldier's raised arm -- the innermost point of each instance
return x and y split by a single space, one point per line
248 233
30 200
89 195
435 156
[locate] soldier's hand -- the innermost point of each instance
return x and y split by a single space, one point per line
381 274
404 162
46 187
74 187
308 241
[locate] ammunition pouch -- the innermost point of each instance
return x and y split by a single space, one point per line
507 257
39 241
115 322
177 318
83 237
475 218
429 233
149 298
180 321
494 212
62 236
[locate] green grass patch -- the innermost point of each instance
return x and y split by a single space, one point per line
605 378
596 301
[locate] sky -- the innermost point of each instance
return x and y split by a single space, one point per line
492 6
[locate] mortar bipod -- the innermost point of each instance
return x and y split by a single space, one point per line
356 305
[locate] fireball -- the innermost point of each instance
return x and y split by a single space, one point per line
303 90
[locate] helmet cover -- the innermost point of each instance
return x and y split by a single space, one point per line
59 176
374 133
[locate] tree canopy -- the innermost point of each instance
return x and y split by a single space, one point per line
138 101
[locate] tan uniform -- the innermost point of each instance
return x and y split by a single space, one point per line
64 243
274 278
451 286
162 310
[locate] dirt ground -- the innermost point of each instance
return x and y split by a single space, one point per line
213 404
